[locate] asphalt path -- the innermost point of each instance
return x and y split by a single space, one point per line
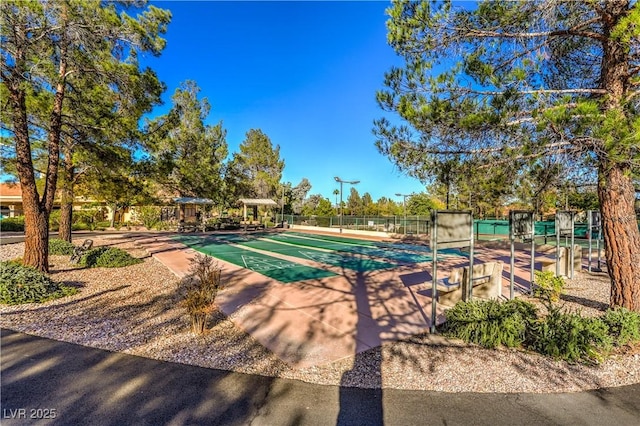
50 382
11 237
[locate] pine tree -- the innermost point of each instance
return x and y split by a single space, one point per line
44 44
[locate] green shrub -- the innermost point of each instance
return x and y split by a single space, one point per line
103 224
54 220
86 219
490 323
570 337
164 225
107 257
624 325
81 226
60 247
213 224
12 224
548 286
149 216
22 284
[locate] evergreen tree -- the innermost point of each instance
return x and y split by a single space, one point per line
257 169
354 203
421 204
44 44
185 154
299 194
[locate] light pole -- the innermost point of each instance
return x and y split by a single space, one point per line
404 206
352 182
282 215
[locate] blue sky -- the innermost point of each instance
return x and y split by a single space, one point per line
305 73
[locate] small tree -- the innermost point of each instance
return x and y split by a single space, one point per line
199 290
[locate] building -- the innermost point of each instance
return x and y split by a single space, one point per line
10 200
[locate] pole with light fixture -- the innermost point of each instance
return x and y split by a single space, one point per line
404 206
352 182
282 208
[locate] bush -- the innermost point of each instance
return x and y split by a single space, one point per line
164 225
22 284
212 224
60 247
107 257
561 335
199 290
54 220
570 337
548 286
490 323
81 226
103 224
149 216
86 219
624 325
12 224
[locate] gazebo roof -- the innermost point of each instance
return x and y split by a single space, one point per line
257 202
192 200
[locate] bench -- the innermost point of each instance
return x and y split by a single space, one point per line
487 280
450 288
547 264
487 283
191 227
79 251
252 225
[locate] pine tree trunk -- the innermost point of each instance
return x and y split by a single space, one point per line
112 223
66 194
66 219
36 213
615 185
36 241
621 235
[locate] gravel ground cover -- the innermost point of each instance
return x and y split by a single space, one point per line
136 310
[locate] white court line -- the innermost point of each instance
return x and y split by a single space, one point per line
321 257
262 265
324 241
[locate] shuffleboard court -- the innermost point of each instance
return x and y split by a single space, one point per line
282 270
385 245
346 253
368 248
347 261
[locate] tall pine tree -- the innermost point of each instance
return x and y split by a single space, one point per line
44 44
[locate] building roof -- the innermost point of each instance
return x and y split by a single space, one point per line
192 200
9 189
258 202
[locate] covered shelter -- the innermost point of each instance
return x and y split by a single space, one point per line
254 203
188 208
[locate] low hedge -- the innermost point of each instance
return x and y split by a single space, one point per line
60 247
12 224
561 335
107 257
22 284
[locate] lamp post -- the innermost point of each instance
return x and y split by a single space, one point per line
352 182
404 206
282 210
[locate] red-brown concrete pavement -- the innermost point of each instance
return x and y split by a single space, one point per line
322 320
